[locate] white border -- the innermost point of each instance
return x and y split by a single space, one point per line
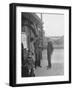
65 77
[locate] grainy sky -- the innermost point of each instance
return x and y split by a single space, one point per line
53 24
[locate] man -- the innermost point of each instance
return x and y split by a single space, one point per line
37 53
24 61
49 53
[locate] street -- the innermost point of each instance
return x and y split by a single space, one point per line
57 60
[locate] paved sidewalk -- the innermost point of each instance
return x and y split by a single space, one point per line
56 69
57 65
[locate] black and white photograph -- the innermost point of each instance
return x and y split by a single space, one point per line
40 44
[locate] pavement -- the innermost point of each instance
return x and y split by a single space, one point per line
57 67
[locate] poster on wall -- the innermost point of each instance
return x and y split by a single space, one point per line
40 44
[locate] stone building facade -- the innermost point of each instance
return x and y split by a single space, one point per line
32 35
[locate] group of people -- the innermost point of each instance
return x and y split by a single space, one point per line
32 58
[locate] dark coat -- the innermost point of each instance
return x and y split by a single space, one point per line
49 48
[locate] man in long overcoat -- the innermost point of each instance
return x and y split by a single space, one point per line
49 53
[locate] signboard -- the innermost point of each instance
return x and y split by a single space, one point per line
24 39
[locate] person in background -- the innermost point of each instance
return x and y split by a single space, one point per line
24 61
31 64
49 53
38 55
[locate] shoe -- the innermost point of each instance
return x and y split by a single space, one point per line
40 66
48 67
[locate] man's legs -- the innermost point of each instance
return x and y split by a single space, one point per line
49 61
